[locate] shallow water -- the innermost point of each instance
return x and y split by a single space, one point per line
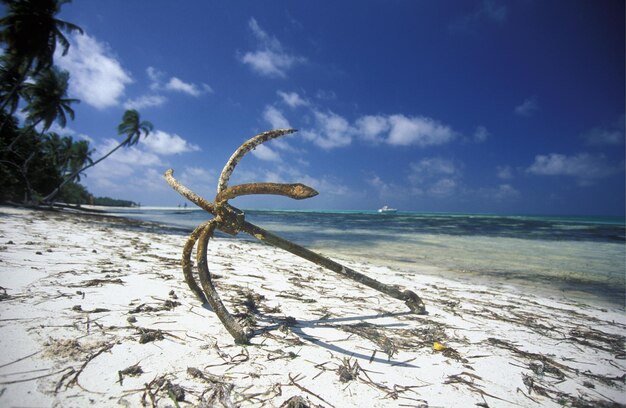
579 257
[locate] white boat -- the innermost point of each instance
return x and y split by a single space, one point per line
387 210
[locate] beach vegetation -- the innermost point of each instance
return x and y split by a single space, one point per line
38 166
110 202
30 32
132 126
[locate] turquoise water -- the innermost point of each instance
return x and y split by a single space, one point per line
577 257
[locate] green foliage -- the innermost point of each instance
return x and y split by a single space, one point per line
112 202
74 193
46 98
31 32
40 167
133 127
35 164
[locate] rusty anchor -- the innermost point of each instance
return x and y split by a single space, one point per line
231 220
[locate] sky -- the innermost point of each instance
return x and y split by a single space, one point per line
479 106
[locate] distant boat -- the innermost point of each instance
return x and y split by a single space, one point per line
387 210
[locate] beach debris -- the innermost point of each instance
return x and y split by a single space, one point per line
348 371
219 390
298 402
166 305
63 349
149 335
132 371
96 282
73 374
231 220
294 381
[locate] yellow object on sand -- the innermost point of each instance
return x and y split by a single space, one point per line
438 346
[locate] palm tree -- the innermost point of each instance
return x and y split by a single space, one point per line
47 101
10 83
65 155
31 33
79 155
131 126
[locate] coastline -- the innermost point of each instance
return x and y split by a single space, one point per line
580 258
73 281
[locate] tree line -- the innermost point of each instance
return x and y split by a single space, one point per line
38 166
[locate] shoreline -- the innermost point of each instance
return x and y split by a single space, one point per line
81 320
581 289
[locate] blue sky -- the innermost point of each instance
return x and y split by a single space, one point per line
463 106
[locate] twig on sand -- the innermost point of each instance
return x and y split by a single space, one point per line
20 359
76 373
292 381
35 378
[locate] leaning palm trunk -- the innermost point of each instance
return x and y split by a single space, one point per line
72 176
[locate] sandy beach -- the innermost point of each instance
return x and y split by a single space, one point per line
94 311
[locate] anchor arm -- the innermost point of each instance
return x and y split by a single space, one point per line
296 191
411 299
245 148
188 194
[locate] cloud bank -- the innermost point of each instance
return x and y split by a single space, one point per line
270 59
96 76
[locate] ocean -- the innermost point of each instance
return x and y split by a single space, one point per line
582 258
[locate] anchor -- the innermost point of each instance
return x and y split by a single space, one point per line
231 220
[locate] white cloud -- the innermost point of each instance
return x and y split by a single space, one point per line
326 185
372 127
175 84
505 191
292 99
504 172
146 101
442 188
431 167
418 131
133 155
585 167
527 108
114 172
155 76
269 59
68 131
606 136
481 134
263 152
96 76
275 118
389 192
434 176
331 130
202 181
161 142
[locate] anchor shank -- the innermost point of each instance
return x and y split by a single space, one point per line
411 299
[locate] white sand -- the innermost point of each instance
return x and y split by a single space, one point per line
72 282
